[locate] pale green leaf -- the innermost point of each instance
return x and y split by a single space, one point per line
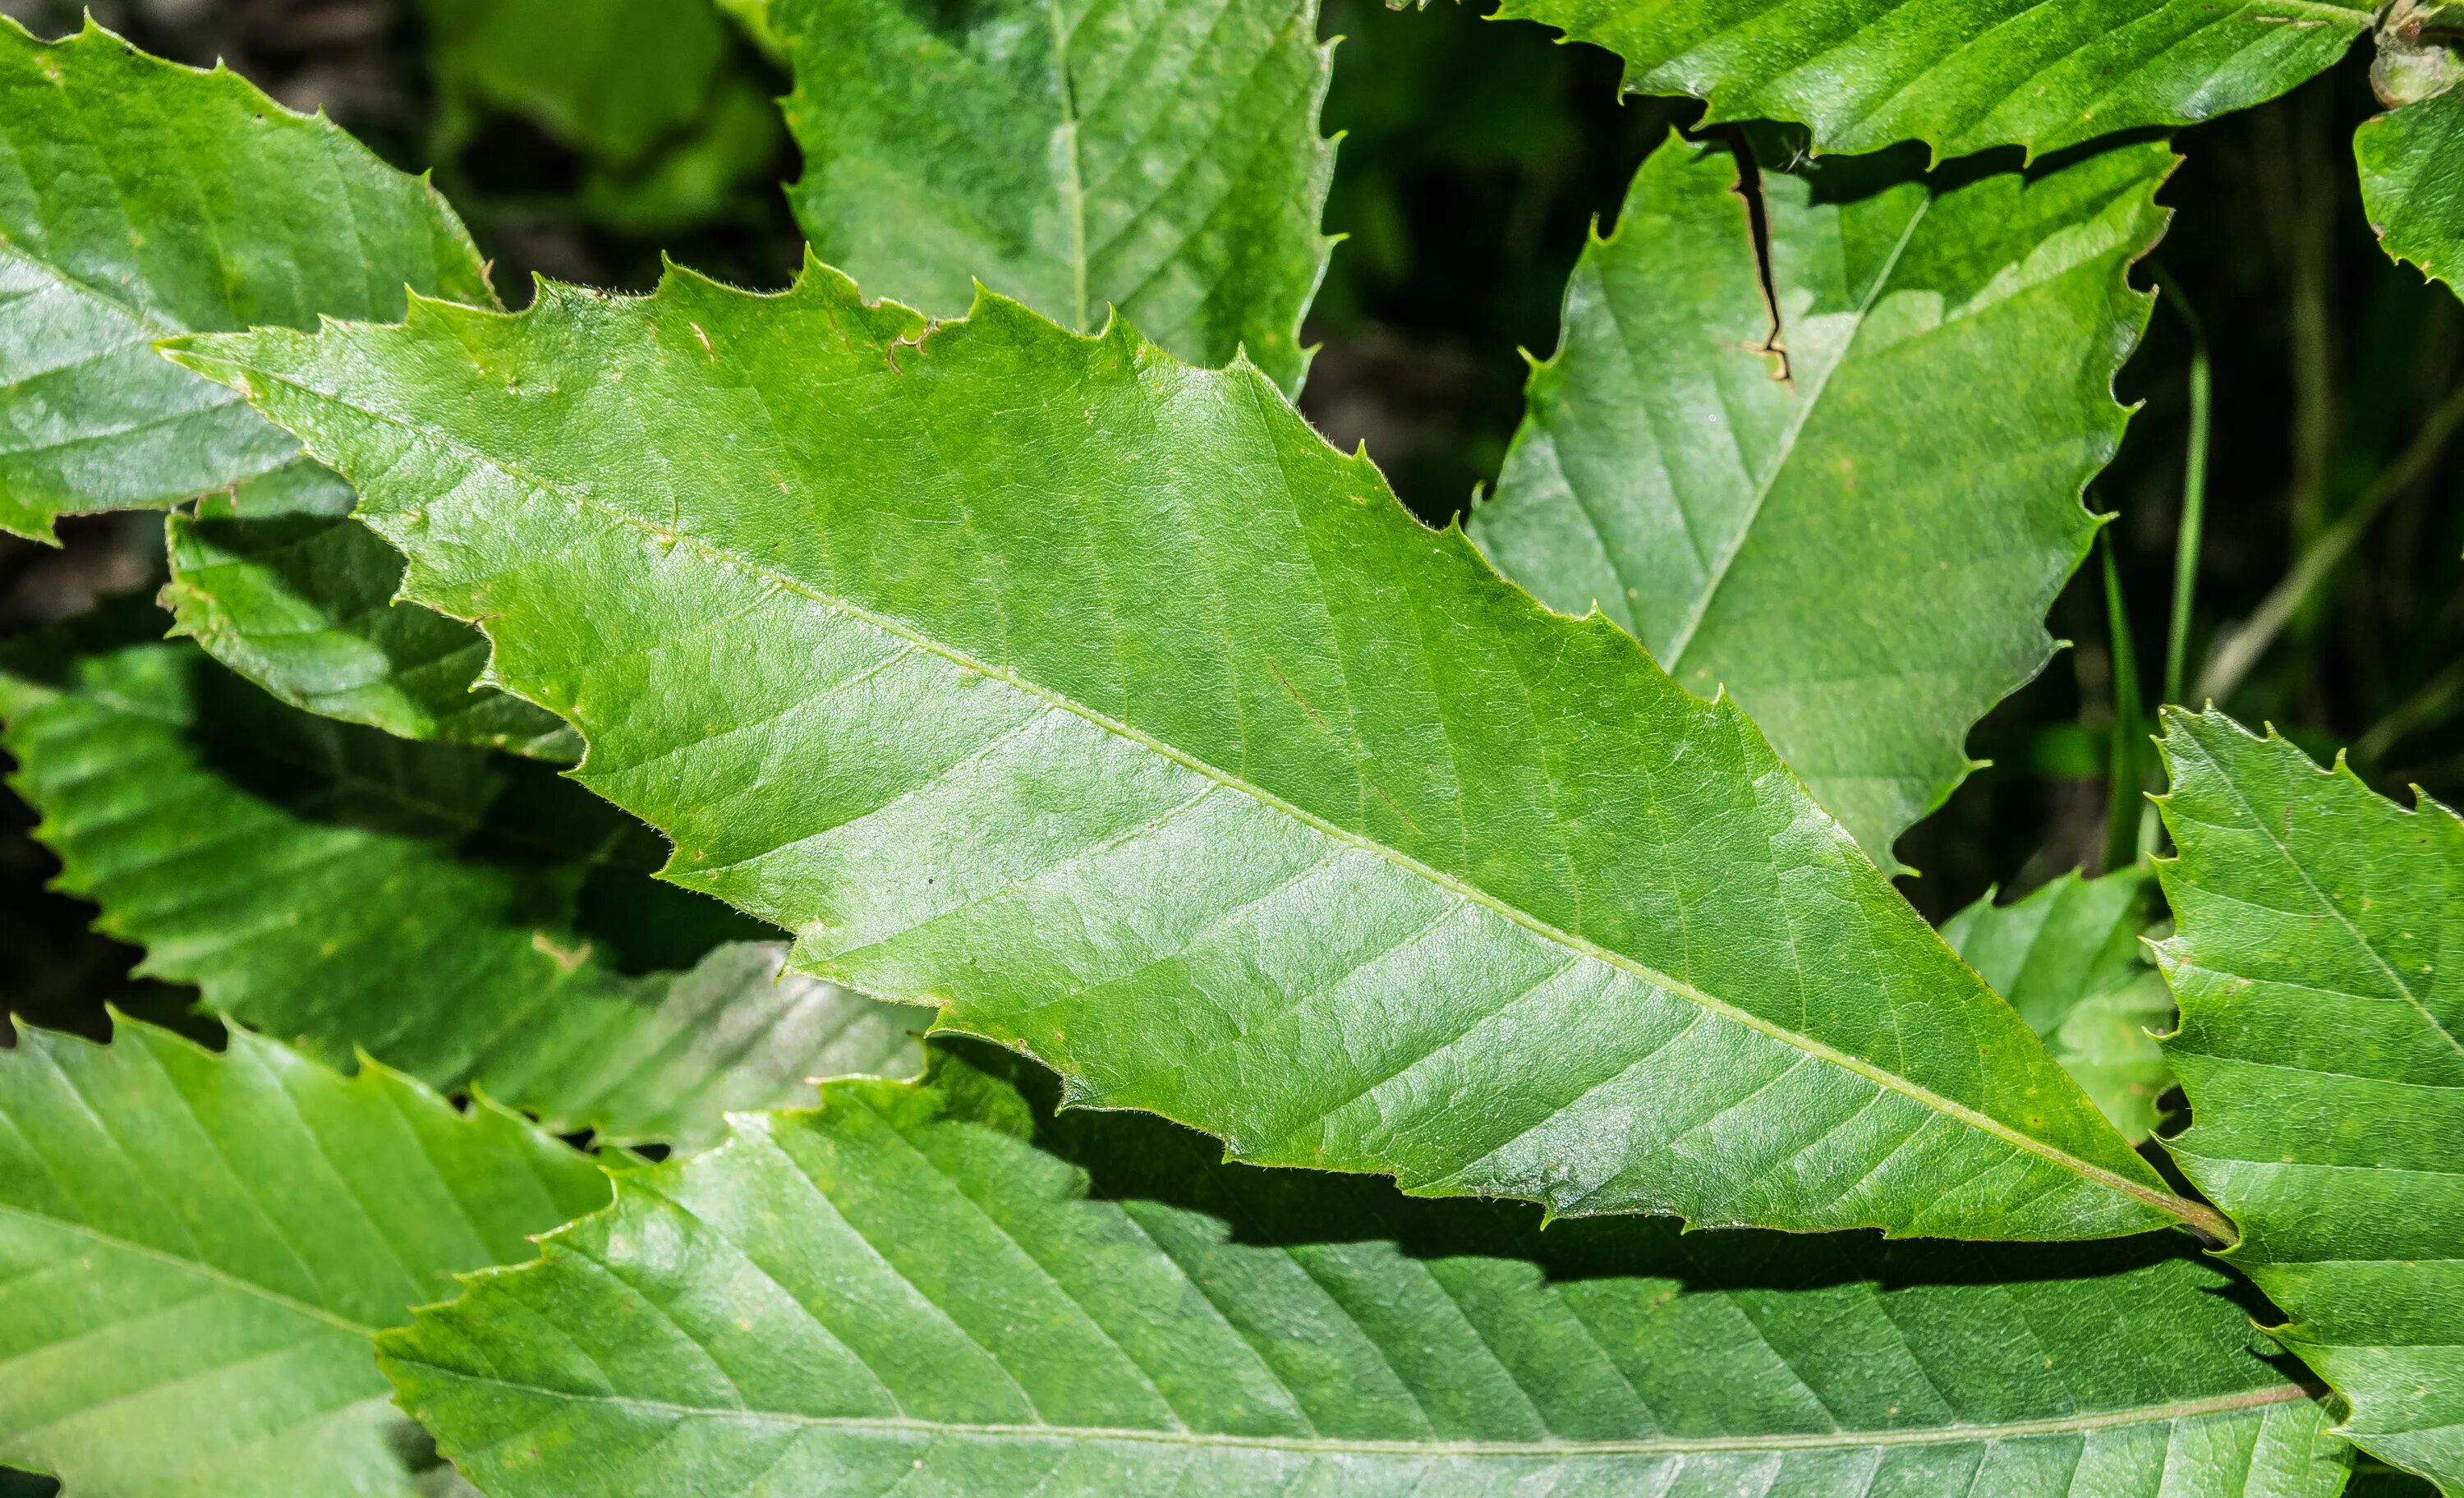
1856 538
897 1290
329 883
2070 960
2319 966
1964 74
139 198
195 1248
1157 156
1097 700
2412 183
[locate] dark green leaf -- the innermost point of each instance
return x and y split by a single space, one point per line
1096 699
898 1292
1964 74
1858 536
195 1248
2069 959
1158 156
326 882
2319 966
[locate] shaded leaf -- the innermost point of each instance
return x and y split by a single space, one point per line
2068 959
1158 156
195 1248
1097 700
1964 74
2321 988
1862 552
328 883
898 1287
610 77
141 198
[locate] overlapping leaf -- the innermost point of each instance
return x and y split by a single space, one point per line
195 1248
2070 960
140 199
1158 156
329 883
1848 496
1097 700
2319 966
1964 74
899 1288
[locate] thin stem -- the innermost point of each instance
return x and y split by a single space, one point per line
2194 489
2128 781
2239 648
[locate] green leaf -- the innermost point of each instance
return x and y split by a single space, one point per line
610 77
328 883
2069 959
898 1287
1858 538
278 584
140 199
195 1248
1097 700
2318 965
1964 74
2412 183
1158 157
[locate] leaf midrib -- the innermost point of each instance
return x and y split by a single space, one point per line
2197 1216
1331 1445
196 1267
1787 452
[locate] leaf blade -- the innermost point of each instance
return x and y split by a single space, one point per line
1157 158
352 892
995 763
200 1246
2319 1050
2411 188
1231 1330
1863 552
1963 79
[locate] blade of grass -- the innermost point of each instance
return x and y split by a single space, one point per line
2194 489
2239 648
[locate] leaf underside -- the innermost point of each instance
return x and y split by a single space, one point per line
899 1291
140 198
1862 553
2412 184
1962 74
330 884
195 1248
1157 156
2318 961
1097 700
2070 960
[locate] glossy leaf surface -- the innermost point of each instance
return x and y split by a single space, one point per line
328 883
1097 700
195 1248
2068 959
1964 74
1857 537
899 1288
2318 965
1157 156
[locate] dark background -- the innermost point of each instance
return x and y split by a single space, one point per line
1474 158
